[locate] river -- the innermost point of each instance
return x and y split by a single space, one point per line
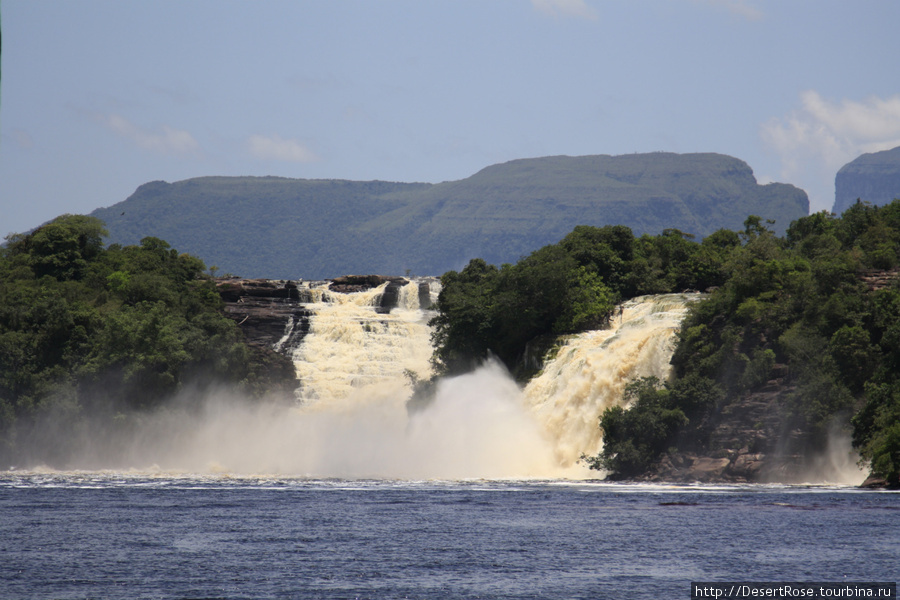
157 535
478 495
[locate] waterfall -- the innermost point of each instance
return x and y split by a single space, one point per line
356 363
353 348
590 371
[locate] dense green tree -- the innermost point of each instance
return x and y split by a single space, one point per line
108 330
560 288
634 438
464 328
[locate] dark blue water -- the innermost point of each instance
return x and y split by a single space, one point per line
117 536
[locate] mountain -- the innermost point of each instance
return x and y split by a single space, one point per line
289 228
873 178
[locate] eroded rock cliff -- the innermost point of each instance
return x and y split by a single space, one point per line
873 178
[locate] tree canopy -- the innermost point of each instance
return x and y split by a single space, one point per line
567 287
91 330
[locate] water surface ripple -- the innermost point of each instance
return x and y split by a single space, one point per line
126 535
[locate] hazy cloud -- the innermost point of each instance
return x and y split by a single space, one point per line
741 8
565 8
168 141
817 139
22 139
275 148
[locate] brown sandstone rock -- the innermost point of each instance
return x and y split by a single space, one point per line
266 310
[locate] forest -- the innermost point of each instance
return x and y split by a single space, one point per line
798 305
98 333
101 334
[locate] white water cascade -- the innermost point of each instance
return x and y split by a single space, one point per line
351 419
590 371
354 350
357 363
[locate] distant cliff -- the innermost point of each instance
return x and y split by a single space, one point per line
288 228
873 178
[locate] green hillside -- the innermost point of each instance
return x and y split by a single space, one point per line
289 228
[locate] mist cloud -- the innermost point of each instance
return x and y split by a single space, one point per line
167 141
817 139
275 148
476 427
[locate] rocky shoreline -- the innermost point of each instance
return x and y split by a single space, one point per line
749 443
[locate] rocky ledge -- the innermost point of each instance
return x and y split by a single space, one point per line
749 443
879 279
269 312
273 313
350 284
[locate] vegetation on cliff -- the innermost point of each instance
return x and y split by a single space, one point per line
800 304
562 288
87 330
795 307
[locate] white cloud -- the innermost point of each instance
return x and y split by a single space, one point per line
820 137
275 148
565 8
168 141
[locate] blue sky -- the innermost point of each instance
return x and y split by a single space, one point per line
100 96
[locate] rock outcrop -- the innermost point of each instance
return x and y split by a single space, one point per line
390 298
269 312
272 313
878 279
872 178
747 444
349 284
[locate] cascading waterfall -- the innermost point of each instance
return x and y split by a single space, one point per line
357 361
352 349
590 371
351 420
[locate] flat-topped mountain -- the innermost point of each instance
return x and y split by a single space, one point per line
288 228
872 178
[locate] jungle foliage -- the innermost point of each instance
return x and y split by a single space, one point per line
802 302
88 330
796 303
567 287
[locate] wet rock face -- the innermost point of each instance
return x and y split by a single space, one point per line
739 466
391 296
272 313
349 284
267 311
424 295
748 443
232 290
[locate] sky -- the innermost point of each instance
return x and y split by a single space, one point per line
100 96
